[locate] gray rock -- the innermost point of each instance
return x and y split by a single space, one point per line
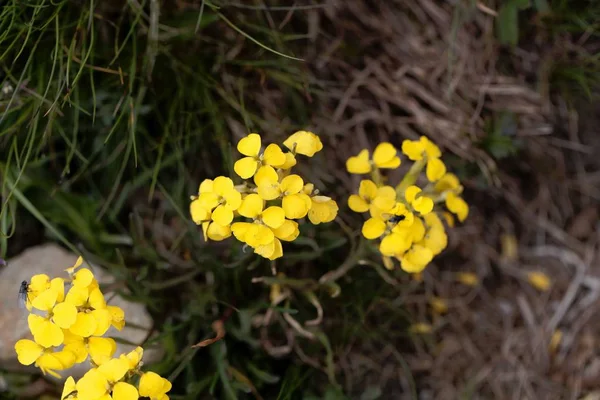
52 260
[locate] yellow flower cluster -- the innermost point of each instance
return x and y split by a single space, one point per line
271 199
67 320
406 218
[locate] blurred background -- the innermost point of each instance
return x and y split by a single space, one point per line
112 112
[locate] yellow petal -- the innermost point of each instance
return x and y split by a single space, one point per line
411 193
274 156
266 250
85 325
416 259
68 388
58 285
468 278
295 206
430 148
96 299
385 156
259 235
101 349
290 161
77 295
218 232
277 250
77 348
367 189
153 385
357 204
273 217
208 200
448 182
39 283
206 186
198 212
240 229
424 205
251 206
393 244
250 145
435 169
304 142
288 231
45 300
413 149
457 206
373 228
28 351
266 175
222 185
245 167
222 215
92 385
48 334
291 184
83 277
64 315
359 164
233 199
323 210
134 357
114 369
103 321
124 391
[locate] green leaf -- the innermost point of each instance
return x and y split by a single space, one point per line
507 24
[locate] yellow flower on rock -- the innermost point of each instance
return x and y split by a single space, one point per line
250 146
304 142
384 156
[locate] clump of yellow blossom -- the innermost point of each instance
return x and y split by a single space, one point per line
407 218
264 210
68 319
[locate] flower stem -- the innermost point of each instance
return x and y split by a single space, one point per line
411 177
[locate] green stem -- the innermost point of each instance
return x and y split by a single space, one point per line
411 177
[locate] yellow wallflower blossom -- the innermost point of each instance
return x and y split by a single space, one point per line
304 142
294 202
30 352
223 200
384 156
250 146
417 149
457 206
376 200
46 329
539 280
416 259
421 203
435 237
435 169
447 182
99 349
323 209
154 386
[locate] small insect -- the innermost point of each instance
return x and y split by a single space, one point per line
24 294
397 218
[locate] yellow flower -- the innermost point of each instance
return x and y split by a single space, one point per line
288 231
154 386
93 317
435 169
394 243
359 164
323 209
47 330
99 349
435 235
457 206
223 200
103 383
417 149
370 197
250 147
303 142
373 228
539 280
295 202
117 316
416 259
69 389
384 156
216 232
134 357
28 351
421 203
447 182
